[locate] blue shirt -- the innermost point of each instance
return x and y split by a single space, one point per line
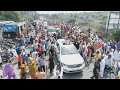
25 58
46 44
31 40
18 48
41 61
31 49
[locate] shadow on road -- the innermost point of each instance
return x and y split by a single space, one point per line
27 75
77 75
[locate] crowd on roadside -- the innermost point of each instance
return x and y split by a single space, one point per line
34 56
33 50
104 55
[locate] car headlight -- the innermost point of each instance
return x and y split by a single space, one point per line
65 65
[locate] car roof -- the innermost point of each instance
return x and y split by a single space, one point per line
61 42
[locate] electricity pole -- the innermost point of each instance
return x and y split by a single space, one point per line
108 22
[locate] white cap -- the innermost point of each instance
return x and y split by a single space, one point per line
13 46
32 46
112 50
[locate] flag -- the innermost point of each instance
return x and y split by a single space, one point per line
99 46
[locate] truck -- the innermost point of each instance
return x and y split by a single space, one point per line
12 29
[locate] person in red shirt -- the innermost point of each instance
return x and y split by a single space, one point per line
39 40
89 52
19 60
39 49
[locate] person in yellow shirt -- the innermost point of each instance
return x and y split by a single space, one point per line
74 37
33 70
23 64
118 76
23 72
97 55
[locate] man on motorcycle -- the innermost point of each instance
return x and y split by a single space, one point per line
109 61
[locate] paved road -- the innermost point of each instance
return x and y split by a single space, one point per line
86 74
17 72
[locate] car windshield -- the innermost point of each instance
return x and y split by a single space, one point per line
51 30
70 49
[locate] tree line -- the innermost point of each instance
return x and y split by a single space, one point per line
18 16
10 16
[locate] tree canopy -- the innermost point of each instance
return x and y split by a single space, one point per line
10 16
72 21
115 34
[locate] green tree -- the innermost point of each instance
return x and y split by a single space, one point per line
31 19
115 34
54 16
71 21
10 15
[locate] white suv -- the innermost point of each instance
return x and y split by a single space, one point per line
68 55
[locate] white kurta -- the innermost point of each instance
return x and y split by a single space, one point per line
102 67
116 55
0 59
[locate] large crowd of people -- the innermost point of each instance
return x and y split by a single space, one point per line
104 55
32 53
36 51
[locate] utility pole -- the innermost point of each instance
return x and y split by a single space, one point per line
108 24
115 24
118 21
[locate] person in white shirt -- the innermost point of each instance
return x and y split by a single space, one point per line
67 41
36 38
49 45
36 44
116 58
108 47
15 55
0 62
57 74
102 67
24 51
51 39
46 37
44 49
39 34
14 51
117 55
34 54
112 53
108 60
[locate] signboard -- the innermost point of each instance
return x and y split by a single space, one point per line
113 20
